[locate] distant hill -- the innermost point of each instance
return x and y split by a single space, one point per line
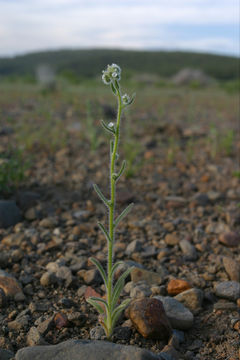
89 63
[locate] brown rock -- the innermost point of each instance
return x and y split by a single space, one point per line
60 320
176 286
149 318
171 239
229 239
10 286
150 277
232 268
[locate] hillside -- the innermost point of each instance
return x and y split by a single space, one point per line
88 63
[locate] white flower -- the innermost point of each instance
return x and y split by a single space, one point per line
111 125
126 99
112 73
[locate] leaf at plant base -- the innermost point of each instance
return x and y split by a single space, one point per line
96 305
115 266
117 312
119 286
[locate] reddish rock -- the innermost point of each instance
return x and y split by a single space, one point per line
60 320
230 239
149 318
90 292
176 286
10 286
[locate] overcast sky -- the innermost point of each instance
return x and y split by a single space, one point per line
198 25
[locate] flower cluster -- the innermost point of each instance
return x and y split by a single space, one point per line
126 99
112 73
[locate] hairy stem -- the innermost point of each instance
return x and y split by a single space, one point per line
111 213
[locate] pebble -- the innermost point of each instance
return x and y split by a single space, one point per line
171 239
188 250
134 246
176 286
10 286
150 277
225 305
228 289
179 316
140 289
48 278
229 239
44 326
10 214
92 276
192 299
149 318
232 268
85 349
97 333
34 337
60 320
3 298
62 272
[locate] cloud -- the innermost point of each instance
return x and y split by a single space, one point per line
30 25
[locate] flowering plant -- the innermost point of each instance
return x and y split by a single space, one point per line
109 309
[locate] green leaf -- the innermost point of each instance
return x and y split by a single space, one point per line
111 146
116 85
100 269
104 302
106 127
119 286
117 312
96 305
117 176
101 196
123 214
102 227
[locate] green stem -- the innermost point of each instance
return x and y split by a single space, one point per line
111 215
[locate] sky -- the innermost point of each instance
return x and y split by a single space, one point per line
193 25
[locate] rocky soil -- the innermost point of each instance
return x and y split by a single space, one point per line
182 237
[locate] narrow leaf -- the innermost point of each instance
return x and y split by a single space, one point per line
100 269
104 302
117 176
132 99
111 146
106 127
123 214
119 286
117 312
100 194
116 84
102 227
96 305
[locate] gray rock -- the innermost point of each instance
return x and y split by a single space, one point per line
10 214
191 298
6 354
228 289
97 333
140 289
134 246
62 272
85 349
188 250
179 316
92 276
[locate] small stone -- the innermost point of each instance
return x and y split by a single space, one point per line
176 286
92 276
225 305
45 326
169 353
134 246
149 318
19 323
85 349
202 199
179 316
97 333
140 289
10 286
34 337
81 290
60 320
10 214
230 239
150 277
192 299
171 239
228 289
188 250
77 318
122 333
31 214
48 278
232 268
62 272
48 223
